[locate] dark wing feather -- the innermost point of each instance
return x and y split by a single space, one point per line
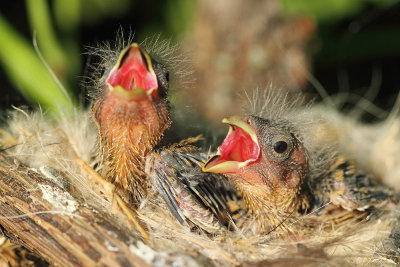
187 190
351 189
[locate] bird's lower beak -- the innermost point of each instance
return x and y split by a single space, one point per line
239 149
133 76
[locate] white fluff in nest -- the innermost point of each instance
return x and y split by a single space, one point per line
38 141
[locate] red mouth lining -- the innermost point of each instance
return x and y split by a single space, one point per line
238 146
133 73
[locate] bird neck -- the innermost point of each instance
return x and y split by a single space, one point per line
271 208
128 131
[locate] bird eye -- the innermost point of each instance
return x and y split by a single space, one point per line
280 147
167 76
162 77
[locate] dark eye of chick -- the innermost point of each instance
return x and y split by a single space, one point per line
167 76
280 147
162 76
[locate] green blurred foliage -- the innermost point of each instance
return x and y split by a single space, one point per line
180 16
68 18
40 22
27 72
96 10
328 10
172 18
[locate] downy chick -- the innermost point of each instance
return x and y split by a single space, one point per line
131 114
271 167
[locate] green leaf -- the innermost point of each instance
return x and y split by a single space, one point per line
40 22
28 73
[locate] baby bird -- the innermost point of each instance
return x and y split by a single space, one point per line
131 114
269 165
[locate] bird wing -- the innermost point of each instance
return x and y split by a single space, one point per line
189 192
351 189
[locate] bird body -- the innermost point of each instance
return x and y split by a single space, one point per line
129 130
276 183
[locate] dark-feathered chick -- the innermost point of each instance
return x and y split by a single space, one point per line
270 166
131 114
267 164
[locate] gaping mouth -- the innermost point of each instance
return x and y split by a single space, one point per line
133 76
239 149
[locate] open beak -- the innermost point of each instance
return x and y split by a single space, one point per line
133 76
240 148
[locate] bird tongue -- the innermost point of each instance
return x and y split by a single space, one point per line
239 149
133 73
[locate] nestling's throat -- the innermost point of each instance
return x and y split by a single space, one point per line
274 208
128 131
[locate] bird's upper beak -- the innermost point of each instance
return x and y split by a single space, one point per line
240 148
133 76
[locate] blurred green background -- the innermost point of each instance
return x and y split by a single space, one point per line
356 43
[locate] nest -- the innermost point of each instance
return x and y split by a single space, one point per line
54 203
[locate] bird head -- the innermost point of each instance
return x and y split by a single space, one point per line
136 76
260 152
